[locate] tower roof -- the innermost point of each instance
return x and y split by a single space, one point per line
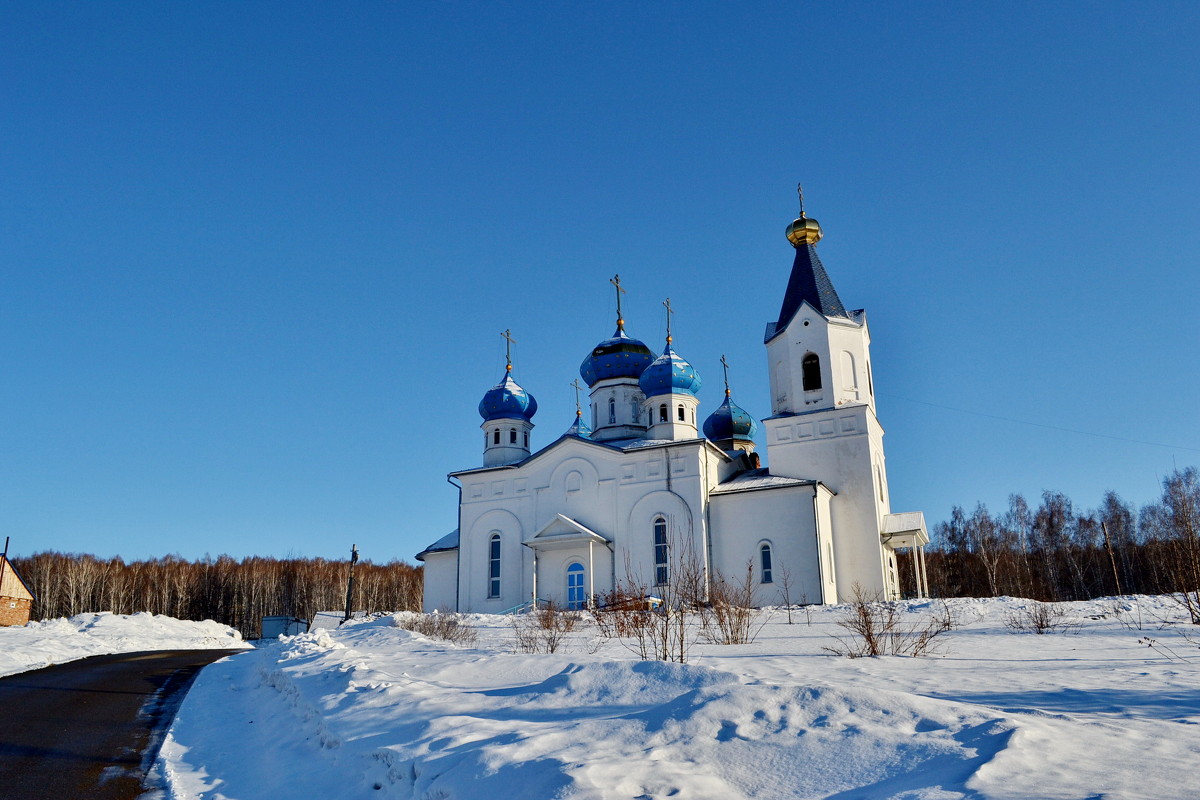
809 282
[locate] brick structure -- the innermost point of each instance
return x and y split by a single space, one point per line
16 601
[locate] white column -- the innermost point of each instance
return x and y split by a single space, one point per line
535 578
591 576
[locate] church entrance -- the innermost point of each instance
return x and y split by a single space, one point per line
576 593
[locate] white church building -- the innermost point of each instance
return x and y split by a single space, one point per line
624 495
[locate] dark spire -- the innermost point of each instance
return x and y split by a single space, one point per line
809 280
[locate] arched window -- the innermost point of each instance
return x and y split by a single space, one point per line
810 372
662 412
494 566
485 440
764 554
512 435
849 375
682 418
526 440
576 594
661 573
870 385
574 481
496 436
612 411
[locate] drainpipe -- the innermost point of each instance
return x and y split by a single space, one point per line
458 552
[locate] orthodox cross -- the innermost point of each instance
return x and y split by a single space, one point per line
615 280
800 191
578 408
509 341
725 365
670 311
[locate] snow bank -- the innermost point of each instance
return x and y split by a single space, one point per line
40 644
372 710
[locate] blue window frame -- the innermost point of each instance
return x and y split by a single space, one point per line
661 572
576 594
764 552
494 566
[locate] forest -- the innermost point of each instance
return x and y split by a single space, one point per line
236 593
1054 552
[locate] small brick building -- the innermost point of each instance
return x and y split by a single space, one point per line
15 597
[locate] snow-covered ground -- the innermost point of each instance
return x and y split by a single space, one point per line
40 644
371 710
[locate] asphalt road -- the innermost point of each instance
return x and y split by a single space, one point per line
91 728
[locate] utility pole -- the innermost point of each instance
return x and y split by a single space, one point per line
350 582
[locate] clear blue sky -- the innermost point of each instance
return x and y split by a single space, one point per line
255 258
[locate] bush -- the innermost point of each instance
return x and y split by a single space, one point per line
876 628
448 627
542 630
1040 618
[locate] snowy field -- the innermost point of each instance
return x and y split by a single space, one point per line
374 711
40 644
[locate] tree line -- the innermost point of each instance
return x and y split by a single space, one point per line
1055 553
236 593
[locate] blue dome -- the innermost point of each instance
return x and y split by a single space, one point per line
580 428
730 421
619 357
669 374
507 400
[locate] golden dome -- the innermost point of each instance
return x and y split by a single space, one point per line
803 231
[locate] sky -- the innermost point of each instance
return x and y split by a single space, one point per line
255 258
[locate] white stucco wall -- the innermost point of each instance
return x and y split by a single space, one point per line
440 578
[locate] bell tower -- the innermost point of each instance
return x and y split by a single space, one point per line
823 424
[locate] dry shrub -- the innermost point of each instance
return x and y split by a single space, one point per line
543 629
876 628
446 626
629 618
1040 618
730 617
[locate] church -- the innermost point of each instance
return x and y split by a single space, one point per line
640 480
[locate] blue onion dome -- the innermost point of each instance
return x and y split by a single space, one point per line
622 356
730 421
669 374
507 400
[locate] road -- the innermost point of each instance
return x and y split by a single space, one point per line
91 728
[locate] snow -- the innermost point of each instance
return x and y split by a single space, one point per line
372 710
40 644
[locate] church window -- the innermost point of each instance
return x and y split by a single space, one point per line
661 573
879 480
494 566
485 439
764 554
810 372
681 416
576 595
612 411
849 375
574 482
635 410
662 413
526 440
496 436
870 384
512 435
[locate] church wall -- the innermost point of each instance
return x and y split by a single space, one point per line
785 519
841 448
440 579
